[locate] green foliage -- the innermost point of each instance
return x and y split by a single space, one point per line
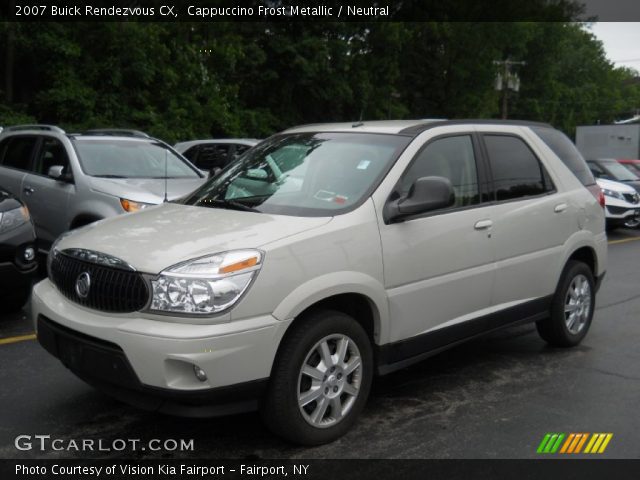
180 81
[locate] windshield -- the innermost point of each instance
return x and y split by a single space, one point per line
114 158
307 174
620 172
634 167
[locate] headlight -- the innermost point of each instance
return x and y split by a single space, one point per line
13 218
131 206
205 285
612 193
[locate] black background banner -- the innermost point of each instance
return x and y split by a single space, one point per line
547 469
329 10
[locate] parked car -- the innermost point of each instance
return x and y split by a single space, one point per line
633 165
611 169
285 285
214 154
70 180
17 253
622 204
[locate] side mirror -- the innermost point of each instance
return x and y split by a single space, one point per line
58 172
426 194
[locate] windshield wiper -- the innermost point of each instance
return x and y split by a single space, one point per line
231 204
110 176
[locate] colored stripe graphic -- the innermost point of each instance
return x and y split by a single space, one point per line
552 442
598 443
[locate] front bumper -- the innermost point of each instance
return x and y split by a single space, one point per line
621 214
149 363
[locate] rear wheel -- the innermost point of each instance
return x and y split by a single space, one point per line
572 307
321 379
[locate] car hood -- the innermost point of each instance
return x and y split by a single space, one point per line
615 186
159 237
146 190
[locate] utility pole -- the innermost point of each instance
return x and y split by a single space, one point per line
505 81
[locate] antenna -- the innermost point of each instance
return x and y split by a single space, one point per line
166 160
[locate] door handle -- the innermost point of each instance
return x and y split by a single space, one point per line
560 208
28 190
483 224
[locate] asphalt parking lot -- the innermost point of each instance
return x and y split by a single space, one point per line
492 398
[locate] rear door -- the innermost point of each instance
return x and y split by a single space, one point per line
531 220
48 198
16 157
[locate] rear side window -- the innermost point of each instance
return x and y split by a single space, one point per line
16 152
239 150
517 172
191 154
213 156
567 152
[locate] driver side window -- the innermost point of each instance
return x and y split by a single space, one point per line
52 153
452 158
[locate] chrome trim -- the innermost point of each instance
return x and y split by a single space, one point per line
98 258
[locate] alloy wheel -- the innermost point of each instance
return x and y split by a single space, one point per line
577 304
329 380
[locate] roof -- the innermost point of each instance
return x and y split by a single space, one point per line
242 141
404 127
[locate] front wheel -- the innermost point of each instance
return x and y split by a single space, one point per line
320 380
572 307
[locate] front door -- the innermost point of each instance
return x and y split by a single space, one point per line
47 197
438 267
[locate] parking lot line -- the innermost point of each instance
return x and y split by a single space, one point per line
624 240
19 338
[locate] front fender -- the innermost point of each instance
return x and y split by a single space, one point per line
337 283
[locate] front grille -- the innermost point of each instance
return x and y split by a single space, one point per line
111 289
632 197
618 210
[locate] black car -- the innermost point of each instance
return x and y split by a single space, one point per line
18 262
611 169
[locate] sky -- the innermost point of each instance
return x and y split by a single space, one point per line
621 42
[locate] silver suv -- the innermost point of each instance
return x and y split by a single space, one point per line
324 255
70 180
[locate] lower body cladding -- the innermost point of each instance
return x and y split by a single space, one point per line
175 368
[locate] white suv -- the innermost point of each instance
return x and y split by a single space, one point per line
325 255
622 204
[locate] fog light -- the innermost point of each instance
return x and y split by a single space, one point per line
29 254
200 375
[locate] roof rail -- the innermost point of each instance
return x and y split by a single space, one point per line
50 128
124 132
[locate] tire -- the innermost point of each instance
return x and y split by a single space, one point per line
316 422
14 300
572 307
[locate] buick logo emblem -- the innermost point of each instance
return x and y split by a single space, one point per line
83 284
